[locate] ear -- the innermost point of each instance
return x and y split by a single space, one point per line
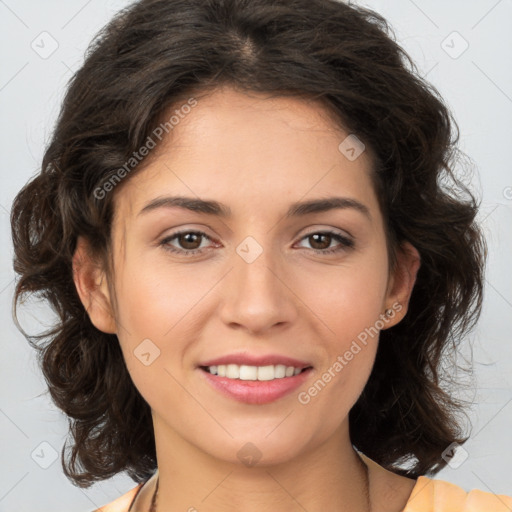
401 283
92 287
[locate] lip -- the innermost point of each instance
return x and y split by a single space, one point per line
255 391
255 360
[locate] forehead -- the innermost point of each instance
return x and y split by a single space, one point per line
244 147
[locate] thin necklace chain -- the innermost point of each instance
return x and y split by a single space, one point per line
152 508
367 484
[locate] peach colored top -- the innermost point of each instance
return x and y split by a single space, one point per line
427 496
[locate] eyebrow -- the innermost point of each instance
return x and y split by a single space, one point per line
297 209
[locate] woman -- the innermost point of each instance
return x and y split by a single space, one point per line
244 223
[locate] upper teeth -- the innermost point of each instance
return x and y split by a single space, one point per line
244 372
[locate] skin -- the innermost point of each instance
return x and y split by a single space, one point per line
256 155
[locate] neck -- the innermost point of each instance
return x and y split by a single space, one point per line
329 477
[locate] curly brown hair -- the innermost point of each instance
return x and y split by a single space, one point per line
146 60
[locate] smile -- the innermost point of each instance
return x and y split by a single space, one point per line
246 372
255 384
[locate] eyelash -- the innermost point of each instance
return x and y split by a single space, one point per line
345 242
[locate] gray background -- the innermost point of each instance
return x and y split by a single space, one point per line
476 84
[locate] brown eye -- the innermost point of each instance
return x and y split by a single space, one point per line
189 240
185 243
321 241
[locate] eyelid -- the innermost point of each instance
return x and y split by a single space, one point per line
345 241
175 234
311 230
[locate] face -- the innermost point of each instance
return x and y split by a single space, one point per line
251 274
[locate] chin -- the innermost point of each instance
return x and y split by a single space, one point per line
260 449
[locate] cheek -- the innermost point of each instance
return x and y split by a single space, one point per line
159 310
348 301
347 298
155 301
350 346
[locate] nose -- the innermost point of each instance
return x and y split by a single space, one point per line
258 294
